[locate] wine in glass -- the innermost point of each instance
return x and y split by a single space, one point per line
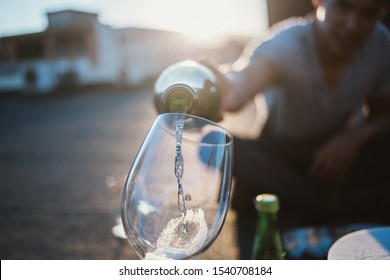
176 196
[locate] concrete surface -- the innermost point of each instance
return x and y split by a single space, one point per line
63 159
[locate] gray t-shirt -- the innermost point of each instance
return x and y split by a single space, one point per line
303 105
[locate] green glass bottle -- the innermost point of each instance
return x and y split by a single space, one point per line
268 244
188 87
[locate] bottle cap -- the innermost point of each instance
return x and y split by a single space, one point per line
267 203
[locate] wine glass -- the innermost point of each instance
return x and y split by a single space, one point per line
176 196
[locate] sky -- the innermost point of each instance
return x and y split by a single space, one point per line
199 19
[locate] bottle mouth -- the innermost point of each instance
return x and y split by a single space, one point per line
179 98
267 203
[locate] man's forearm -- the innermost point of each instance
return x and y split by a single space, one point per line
370 128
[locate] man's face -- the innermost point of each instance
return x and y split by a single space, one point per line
346 24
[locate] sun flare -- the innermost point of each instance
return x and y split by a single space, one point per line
204 20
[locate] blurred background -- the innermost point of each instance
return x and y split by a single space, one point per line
56 45
76 85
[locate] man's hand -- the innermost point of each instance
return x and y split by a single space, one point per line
333 160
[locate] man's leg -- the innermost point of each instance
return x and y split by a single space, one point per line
256 171
364 197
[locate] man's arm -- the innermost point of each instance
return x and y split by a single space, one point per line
332 162
239 85
245 83
379 114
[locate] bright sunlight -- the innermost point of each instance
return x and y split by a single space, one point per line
208 20
205 21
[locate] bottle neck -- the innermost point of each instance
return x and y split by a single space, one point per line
268 242
179 98
266 221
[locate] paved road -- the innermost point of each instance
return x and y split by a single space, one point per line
62 163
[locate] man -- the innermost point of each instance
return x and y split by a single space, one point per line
327 85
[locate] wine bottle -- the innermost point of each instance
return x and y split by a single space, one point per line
268 244
188 87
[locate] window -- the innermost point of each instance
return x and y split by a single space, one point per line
30 50
71 46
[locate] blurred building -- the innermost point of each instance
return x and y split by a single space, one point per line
76 50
